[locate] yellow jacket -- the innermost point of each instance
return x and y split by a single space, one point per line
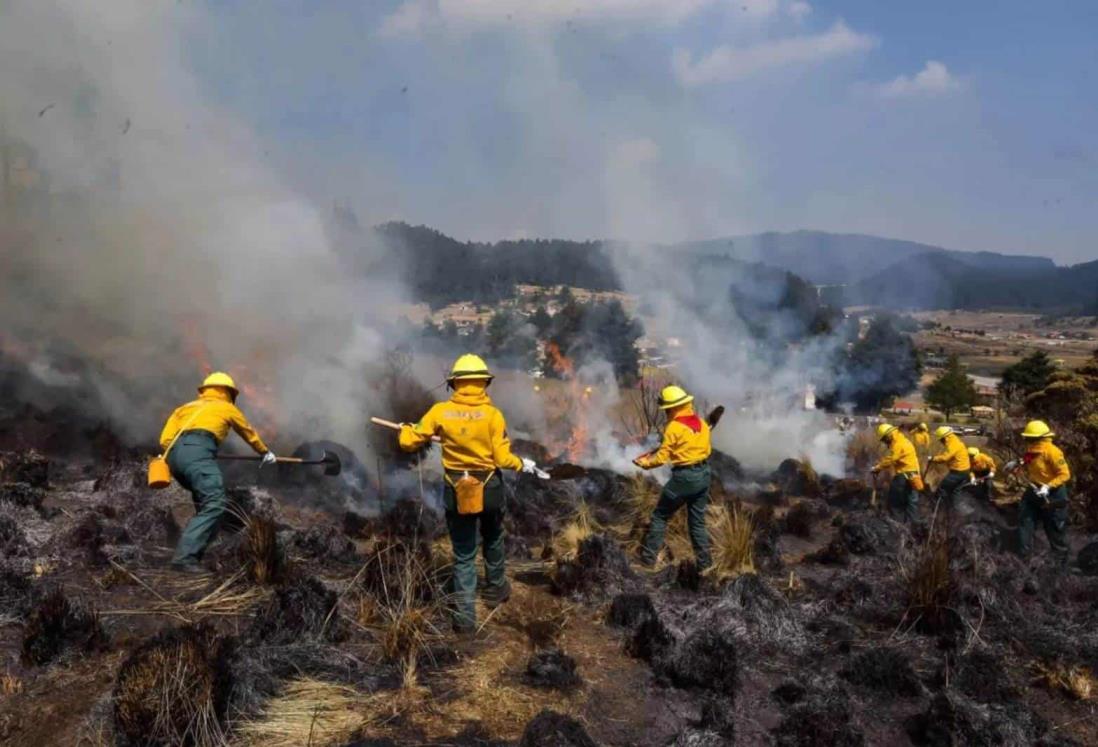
982 464
216 413
955 455
473 432
1045 464
901 455
922 440
685 442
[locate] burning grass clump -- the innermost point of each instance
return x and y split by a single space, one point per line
13 540
598 570
58 625
28 467
552 729
929 587
260 552
302 610
884 670
173 689
552 669
869 535
406 400
629 610
848 493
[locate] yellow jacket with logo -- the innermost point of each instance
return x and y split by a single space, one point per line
215 412
922 440
685 442
983 463
473 432
901 455
955 455
1045 464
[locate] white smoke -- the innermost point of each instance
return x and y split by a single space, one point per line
152 225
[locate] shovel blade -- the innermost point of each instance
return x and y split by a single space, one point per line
332 465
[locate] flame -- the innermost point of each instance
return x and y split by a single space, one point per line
578 439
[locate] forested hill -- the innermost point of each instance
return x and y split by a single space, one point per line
882 272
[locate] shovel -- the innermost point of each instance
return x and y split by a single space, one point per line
330 461
396 427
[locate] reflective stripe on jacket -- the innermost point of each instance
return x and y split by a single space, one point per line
214 412
473 432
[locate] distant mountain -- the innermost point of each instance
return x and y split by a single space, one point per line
833 259
934 281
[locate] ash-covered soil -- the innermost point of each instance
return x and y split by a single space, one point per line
853 629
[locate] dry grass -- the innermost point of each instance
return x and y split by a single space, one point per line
641 498
229 599
732 541
543 619
307 712
1077 681
863 449
10 685
582 525
929 584
263 560
173 689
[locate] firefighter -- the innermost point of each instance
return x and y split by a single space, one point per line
687 447
983 472
921 438
903 491
475 447
955 457
190 441
1046 498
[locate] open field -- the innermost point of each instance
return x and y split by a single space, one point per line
988 342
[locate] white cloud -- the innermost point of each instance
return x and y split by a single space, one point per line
799 10
932 80
727 63
413 15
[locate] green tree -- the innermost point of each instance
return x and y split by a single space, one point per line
1027 376
878 367
541 320
510 340
952 390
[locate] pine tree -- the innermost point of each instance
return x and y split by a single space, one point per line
953 390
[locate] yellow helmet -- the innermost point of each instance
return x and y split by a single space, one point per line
884 430
219 378
923 427
973 451
1037 429
942 431
673 396
470 366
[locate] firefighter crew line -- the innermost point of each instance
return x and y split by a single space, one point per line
476 448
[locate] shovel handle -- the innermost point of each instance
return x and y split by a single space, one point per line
280 460
396 427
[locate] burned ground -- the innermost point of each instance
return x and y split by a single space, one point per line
854 629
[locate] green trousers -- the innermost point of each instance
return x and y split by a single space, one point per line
1052 515
688 486
464 538
949 485
903 499
193 464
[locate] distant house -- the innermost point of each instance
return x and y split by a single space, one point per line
901 407
983 411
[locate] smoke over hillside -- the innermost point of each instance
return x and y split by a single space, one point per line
151 237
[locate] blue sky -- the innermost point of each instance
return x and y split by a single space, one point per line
970 125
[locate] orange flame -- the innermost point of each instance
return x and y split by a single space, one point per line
577 406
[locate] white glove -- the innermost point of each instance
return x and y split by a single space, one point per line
1011 465
1042 491
529 466
990 475
268 458
973 482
